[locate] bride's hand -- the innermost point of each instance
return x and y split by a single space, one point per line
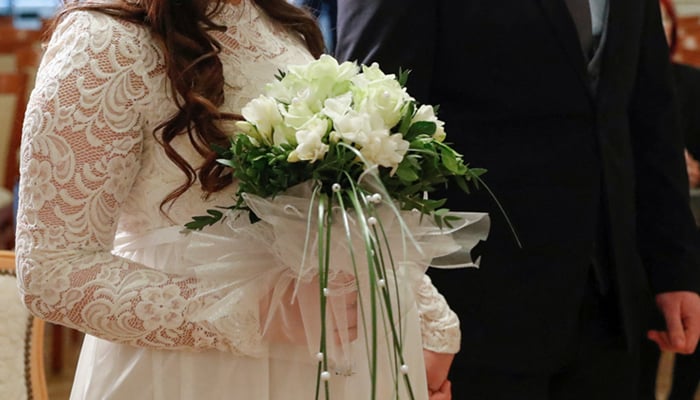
286 325
443 393
437 366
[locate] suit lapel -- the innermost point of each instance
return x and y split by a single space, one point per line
565 31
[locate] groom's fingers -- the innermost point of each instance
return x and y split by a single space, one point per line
661 339
674 325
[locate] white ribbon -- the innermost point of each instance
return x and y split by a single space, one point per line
244 263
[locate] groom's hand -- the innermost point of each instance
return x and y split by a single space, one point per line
682 313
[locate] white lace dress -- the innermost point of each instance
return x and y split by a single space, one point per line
96 254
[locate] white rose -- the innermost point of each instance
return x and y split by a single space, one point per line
310 145
372 72
298 113
381 94
385 102
326 68
427 113
263 113
314 82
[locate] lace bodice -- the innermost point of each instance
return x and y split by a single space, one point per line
92 170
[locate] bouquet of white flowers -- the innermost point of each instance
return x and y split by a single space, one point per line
337 160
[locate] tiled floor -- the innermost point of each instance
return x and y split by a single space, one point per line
60 381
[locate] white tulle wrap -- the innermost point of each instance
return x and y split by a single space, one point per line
272 266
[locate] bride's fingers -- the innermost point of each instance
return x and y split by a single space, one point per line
444 393
283 321
345 323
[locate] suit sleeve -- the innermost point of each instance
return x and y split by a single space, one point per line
666 233
394 33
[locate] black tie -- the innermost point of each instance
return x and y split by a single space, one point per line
580 11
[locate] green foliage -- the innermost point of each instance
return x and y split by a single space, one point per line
403 76
201 221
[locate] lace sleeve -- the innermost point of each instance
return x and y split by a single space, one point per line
439 324
82 143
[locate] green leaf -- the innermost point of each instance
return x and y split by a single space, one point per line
477 172
462 183
407 117
443 218
403 76
226 162
451 161
406 172
420 128
435 203
221 151
202 221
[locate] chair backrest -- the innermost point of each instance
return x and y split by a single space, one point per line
13 104
12 38
21 341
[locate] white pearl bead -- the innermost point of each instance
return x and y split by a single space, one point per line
404 369
319 356
325 291
325 375
372 221
336 187
376 198
381 283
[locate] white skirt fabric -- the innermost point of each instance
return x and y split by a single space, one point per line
108 370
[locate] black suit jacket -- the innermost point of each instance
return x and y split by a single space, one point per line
687 80
511 81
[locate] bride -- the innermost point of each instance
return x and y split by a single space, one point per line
116 157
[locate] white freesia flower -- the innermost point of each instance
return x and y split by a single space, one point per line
310 145
283 133
337 107
263 113
353 128
427 113
279 91
385 149
249 129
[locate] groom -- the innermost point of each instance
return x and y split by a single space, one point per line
568 104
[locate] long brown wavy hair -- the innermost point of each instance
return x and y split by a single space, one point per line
195 72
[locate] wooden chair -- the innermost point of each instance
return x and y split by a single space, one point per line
12 38
22 340
13 91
